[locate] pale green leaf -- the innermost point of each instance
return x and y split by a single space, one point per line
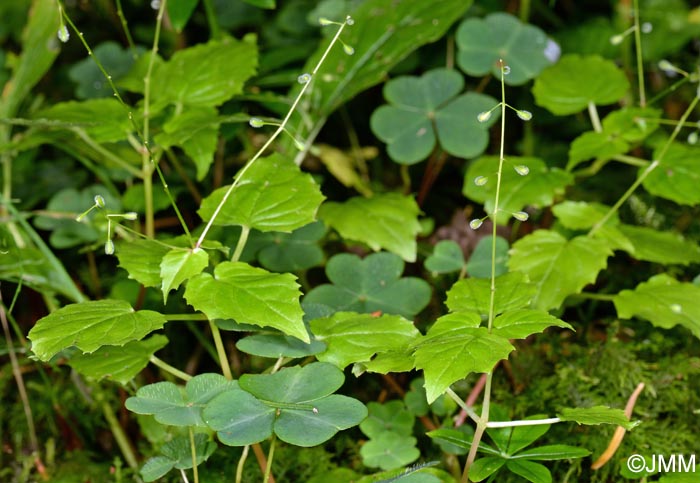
91 325
389 450
104 120
595 145
272 195
657 246
677 176
352 337
179 265
519 324
385 221
581 215
513 291
295 384
558 267
141 258
249 295
596 415
664 302
390 416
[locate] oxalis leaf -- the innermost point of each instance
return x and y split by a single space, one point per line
387 221
249 295
177 453
447 257
663 301
425 108
370 285
572 83
558 267
389 450
179 265
352 337
524 48
272 195
91 325
172 405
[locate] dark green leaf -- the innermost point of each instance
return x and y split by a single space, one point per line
479 265
278 345
553 452
238 418
447 257
534 472
485 467
178 454
295 384
291 252
390 416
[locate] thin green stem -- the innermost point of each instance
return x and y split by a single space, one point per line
241 464
106 153
127 33
198 317
169 369
193 448
595 119
211 19
638 49
270 456
119 435
240 245
221 351
467 409
649 169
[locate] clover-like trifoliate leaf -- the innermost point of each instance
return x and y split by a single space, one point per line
663 301
172 405
239 418
423 109
179 265
289 252
574 82
556 266
676 178
370 285
390 416
447 257
352 337
385 221
389 450
177 453
91 325
249 295
272 195
524 48
119 364
513 291
537 188
454 347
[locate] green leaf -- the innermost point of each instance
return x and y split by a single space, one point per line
597 415
385 221
180 12
663 301
425 108
538 188
454 437
553 452
295 384
141 258
485 467
595 145
500 36
581 215
291 252
391 416
352 337
270 4
90 82
104 120
171 405
177 453
447 257
513 291
120 364
389 450
558 267
278 345
660 246
479 265
238 418
249 295
451 350
572 83
534 472
91 325
519 324
632 124
205 74
179 265
196 131
272 195
370 285
677 177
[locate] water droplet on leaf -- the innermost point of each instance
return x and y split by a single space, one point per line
647 27
521 169
676 308
304 78
349 20
506 69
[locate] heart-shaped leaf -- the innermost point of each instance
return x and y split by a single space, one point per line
295 384
513 291
389 450
572 83
239 418
179 265
390 416
676 178
91 325
423 109
290 252
387 221
249 295
370 285
272 195
447 257
524 48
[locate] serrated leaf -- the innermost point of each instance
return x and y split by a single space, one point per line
91 325
384 221
447 257
205 74
660 246
449 356
677 177
524 48
575 81
581 215
141 258
663 301
172 405
278 345
423 109
352 337
272 195
238 418
369 285
513 291
537 188
556 266
104 120
596 415
479 265
179 265
119 364
389 450
520 324
249 295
